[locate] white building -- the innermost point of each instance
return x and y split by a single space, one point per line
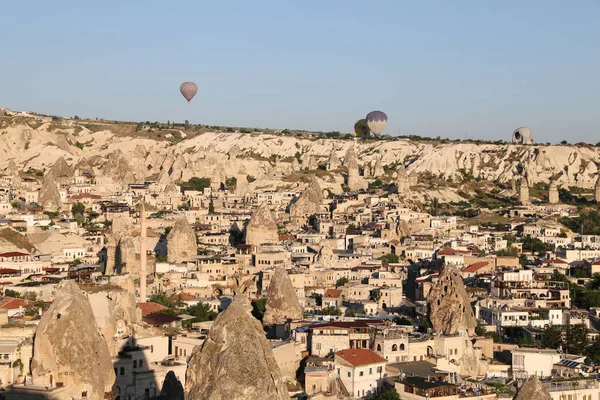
361 371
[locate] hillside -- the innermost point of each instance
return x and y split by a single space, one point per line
33 144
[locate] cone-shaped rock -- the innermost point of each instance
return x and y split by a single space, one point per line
181 241
49 196
350 160
282 302
61 171
533 390
333 162
235 362
308 203
449 304
261 227
68 349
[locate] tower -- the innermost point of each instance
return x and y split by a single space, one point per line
143 263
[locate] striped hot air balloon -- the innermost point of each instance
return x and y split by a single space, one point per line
188 90
377 121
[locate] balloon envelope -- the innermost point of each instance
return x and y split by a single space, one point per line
377 120
188 90
361 128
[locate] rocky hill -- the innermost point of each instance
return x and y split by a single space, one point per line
120 152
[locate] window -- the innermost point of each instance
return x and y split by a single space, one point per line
361 373
370 371
395 347
318 346
402 347
349 374
134 363
122 371
140 363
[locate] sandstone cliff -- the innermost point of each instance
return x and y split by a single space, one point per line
282 302
69 350
450 309
235 362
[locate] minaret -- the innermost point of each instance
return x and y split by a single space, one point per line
553 197
524 191
143 266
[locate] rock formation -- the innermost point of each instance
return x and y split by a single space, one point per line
309 203
282 302
117 167
377 169
402 180
533 389
553 193
61 171
350 160
261 227
524 191
181 242
597 190
49 196
115 313
235 362
355 181
68 349
449 304
333 162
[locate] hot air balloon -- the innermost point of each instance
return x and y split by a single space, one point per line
188 90
361 129
376 121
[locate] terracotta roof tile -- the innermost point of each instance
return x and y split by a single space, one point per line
358 357
151 308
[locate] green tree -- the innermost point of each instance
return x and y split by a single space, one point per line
196 183
391 394
350 313
202 312
480 330
165 300
341 282
231 183
390 259
211 206
576 339
12 293
258 308
331 311
77 209
552 337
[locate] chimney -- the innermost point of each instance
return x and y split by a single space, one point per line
143 266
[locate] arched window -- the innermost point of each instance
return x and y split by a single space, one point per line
402 347
395 347
378 347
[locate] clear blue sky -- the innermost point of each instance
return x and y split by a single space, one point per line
448 68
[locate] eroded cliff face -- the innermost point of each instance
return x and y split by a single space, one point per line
69 350
449 304
282 302
127 157
235 362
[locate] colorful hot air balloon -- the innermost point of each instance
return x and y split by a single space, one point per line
188 90
361 129
376 121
